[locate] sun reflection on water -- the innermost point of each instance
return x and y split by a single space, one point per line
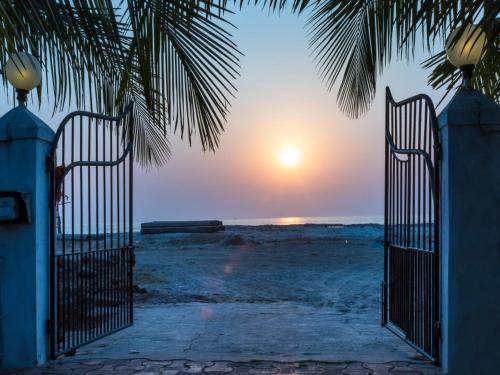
290 220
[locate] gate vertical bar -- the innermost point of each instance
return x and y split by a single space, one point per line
91 294
131 216
411 224
386 218
52 329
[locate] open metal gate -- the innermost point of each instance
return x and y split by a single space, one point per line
91 251
410 290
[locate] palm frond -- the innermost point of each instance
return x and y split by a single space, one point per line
344 40
175 59
68 40
198 63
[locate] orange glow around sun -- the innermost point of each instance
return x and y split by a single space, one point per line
289 156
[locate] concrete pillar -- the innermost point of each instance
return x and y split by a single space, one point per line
470 234
24 244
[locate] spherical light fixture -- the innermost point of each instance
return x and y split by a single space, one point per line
24 72
465 50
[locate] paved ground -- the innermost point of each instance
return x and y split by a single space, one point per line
184 367
279 331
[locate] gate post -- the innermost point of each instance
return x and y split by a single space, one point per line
24 238
470 234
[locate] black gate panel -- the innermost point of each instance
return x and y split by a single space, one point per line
410 306
92 254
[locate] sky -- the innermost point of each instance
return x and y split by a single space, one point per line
281 103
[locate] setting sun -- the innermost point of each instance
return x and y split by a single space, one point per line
289 156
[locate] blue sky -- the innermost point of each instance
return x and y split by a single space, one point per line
280 101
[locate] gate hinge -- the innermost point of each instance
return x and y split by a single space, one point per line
384 303
49 326
438 150
383 292
437 330
132 257
48 164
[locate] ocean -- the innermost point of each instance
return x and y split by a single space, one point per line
308 220
292 220
295 220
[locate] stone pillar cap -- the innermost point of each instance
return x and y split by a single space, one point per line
470 107
20 123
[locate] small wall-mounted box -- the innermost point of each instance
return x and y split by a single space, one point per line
9 209
14 207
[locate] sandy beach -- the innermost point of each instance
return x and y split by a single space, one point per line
298 292
321 265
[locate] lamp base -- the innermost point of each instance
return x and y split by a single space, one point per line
22 96
467 73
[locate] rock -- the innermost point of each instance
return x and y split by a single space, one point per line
233 240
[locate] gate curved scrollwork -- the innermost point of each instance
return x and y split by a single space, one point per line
91 251
410 291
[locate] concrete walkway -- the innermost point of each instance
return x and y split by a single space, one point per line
244 338
285 331
184 367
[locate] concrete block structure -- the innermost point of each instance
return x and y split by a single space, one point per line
24 238
470 238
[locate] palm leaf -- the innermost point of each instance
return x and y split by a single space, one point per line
175 59
353 42
345 43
